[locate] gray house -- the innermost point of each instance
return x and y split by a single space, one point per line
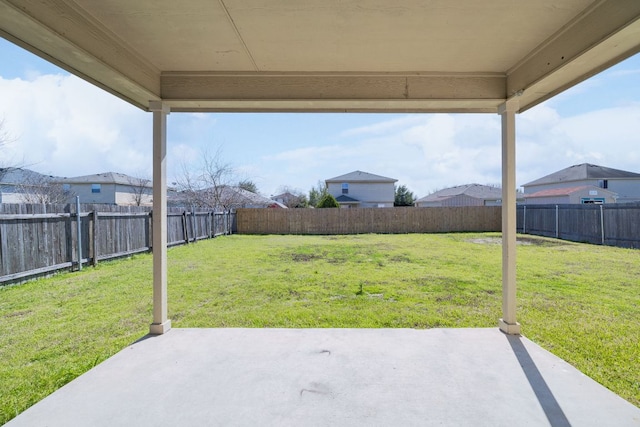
362 189
111 188
571 195
626 185
19 185
463 195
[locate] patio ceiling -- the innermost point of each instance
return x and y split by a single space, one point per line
328 55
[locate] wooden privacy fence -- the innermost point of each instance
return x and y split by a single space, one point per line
369 220
39 239
612 225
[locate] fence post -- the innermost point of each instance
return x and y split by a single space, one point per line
95 238
524 220
602 223
185 230
149 241
79 233
194 221
557 220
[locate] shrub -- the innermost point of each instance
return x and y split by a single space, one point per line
328 201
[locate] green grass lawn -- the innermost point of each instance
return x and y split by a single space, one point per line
581 302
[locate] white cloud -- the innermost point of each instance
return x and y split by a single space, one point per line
64 126
434 151
383 126
424 152
625 73
608 137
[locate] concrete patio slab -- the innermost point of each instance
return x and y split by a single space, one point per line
332 377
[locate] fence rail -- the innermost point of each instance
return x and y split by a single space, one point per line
611 225
369 220
40 239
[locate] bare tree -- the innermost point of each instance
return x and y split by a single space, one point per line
5 140
209 184
42 189
140 190
5 137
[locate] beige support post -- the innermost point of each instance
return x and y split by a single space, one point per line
508 323
161 323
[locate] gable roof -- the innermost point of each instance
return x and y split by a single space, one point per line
12 176
477 191
555 192
107 178
359 176
581 172
232 195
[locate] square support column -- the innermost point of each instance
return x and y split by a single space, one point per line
508 323
161 323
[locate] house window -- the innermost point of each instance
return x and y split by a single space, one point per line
95 188
345 188
603 183
592 201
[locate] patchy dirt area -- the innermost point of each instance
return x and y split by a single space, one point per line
538 241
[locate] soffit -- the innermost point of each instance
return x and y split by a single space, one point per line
328 55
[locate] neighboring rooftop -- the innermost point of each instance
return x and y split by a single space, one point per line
359 176
582 172
107 178
232 196
21 176
478 191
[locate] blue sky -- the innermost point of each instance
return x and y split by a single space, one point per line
64 126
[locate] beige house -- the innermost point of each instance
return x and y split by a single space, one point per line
571 195
362 190
111 188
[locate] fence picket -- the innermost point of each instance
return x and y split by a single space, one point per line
612 224
37 239
368 220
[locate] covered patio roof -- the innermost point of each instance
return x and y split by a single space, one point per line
328 55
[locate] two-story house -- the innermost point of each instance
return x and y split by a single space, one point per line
111 188
363 190
591 183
